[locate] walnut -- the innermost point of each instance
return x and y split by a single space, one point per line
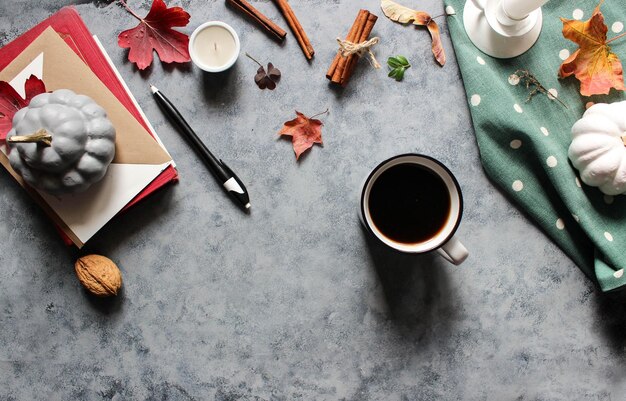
99 275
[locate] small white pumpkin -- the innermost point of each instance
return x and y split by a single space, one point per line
598 148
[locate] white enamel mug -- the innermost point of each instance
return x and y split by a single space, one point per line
444 241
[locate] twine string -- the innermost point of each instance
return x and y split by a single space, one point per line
348 48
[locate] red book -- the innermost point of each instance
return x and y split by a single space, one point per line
70 26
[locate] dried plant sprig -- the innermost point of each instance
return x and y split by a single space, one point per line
266 79
533 84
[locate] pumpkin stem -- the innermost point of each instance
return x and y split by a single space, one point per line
41 136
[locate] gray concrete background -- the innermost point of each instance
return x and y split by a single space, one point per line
294 302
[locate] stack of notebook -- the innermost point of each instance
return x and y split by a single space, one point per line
62 52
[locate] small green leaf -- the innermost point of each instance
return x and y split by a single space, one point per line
403 61
398 65
393 63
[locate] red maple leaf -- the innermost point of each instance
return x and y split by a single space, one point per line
304 132
154 32
11 101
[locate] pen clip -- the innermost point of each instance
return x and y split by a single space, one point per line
232 174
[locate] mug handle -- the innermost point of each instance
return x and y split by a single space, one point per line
453 251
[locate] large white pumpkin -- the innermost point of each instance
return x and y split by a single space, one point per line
598 149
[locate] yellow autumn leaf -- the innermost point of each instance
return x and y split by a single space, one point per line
594 64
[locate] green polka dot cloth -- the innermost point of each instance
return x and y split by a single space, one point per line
524 144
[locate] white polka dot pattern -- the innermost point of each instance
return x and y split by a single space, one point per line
513 79
578 14
560 224
552 94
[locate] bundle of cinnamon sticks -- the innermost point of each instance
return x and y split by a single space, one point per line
342 67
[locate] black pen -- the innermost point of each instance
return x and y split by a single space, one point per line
232 184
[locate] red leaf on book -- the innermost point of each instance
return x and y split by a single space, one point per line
11 101
154 32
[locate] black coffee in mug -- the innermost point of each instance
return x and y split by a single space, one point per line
412 203
409 203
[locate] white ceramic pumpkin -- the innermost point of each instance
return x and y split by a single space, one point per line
77 150
598 149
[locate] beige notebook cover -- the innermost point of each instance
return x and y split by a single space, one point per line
138 157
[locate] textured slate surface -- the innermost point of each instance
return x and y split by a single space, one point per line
294 302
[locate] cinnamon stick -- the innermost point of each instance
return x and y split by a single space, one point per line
352 60
358 21
259 18
341 67
296 28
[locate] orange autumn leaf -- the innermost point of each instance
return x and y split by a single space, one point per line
437 47
304 132
593 64
405 15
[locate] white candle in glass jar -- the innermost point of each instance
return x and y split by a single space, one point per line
214 46
519 9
